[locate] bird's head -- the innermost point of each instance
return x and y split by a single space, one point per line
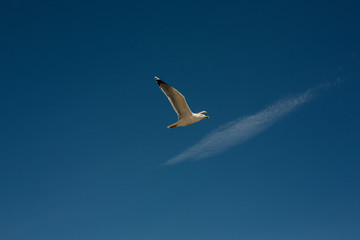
203 115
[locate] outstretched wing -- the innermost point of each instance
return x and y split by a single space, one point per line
176 99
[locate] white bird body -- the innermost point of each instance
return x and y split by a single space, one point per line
178 102
195 117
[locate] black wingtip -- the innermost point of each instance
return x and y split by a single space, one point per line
158 81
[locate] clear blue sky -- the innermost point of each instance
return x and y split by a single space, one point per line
83 124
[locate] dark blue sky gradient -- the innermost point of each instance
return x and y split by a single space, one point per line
83 124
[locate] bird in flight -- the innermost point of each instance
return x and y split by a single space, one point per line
178 102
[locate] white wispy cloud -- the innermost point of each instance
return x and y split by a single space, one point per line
244 128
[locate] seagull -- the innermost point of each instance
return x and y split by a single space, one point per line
178 102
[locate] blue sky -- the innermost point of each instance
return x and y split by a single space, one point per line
83 137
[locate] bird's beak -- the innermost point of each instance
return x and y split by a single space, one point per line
207 117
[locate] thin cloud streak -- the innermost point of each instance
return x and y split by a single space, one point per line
244 128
